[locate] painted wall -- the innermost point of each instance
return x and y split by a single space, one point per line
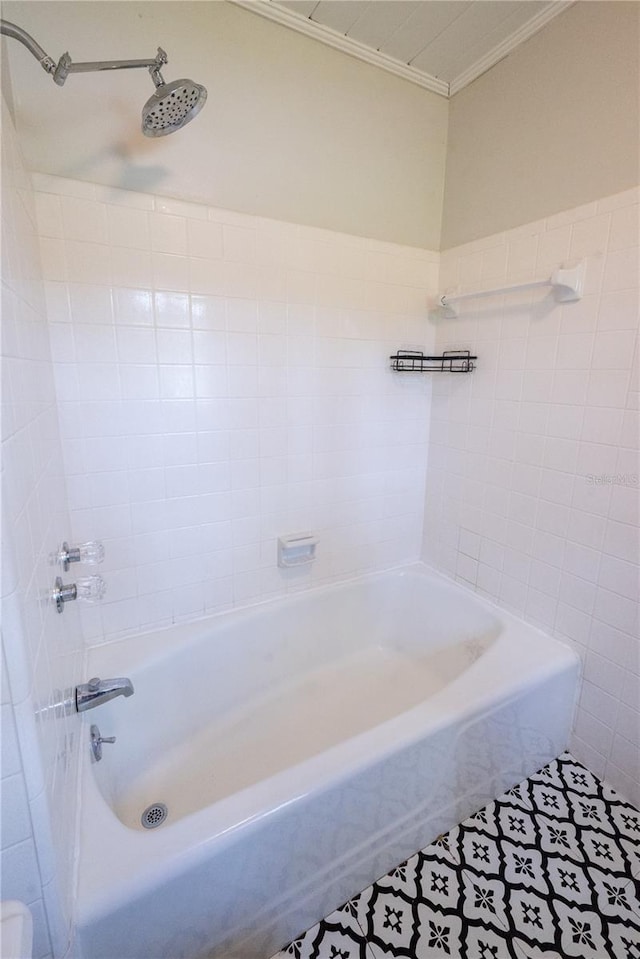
533 490
292 130
223 380
42 652
553 126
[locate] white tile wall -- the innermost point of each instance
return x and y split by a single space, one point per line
223 379
42 652
532 491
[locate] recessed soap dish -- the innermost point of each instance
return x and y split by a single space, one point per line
297 549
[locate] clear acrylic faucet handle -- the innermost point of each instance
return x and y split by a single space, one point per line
91 553
91 588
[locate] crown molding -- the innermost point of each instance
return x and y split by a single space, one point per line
271 11
504 48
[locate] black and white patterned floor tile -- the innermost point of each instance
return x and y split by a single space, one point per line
550 870
338 936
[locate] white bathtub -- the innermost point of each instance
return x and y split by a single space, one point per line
302 748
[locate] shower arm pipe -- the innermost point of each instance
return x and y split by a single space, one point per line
65 65
17 33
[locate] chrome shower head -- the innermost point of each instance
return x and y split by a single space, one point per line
171 106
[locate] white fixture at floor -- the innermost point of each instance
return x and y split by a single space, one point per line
16 932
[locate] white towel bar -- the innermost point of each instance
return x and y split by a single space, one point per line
567 284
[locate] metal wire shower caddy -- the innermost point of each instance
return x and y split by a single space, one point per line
414 361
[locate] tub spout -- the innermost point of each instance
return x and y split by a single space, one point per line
98 691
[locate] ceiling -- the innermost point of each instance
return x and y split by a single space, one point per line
442 45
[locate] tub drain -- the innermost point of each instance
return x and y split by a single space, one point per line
154 815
